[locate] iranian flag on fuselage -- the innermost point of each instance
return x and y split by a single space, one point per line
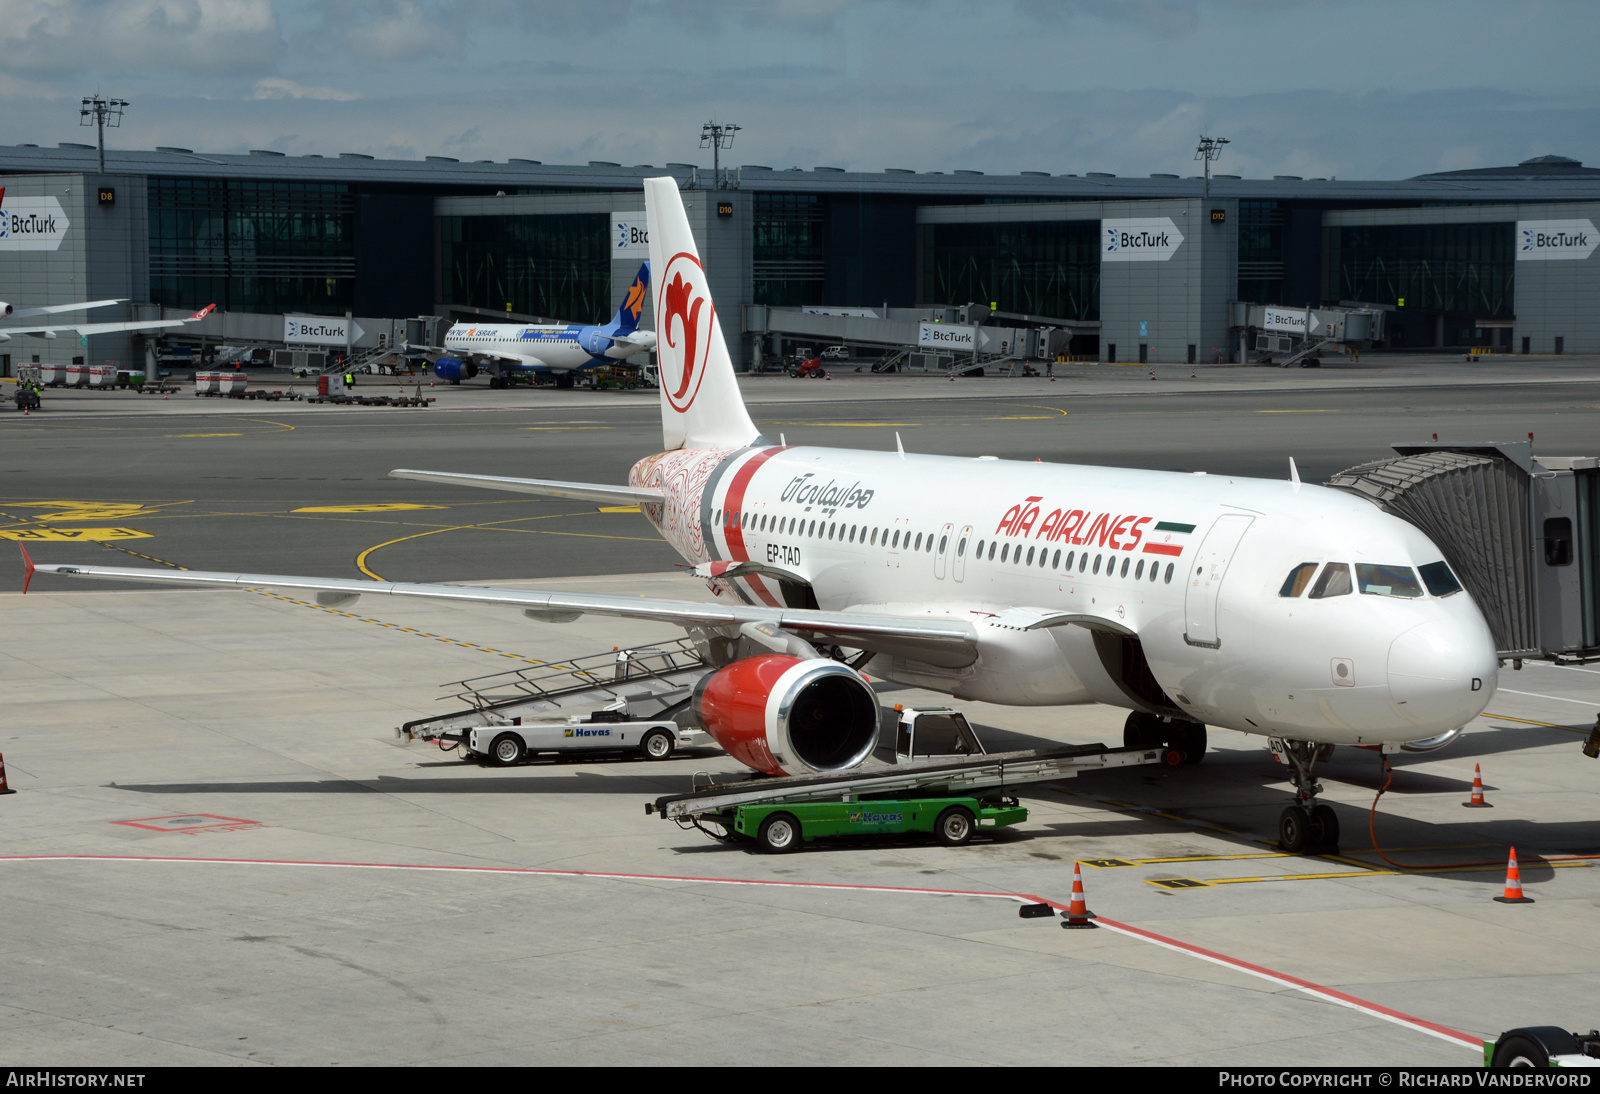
1168 538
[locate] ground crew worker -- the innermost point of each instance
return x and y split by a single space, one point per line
349 379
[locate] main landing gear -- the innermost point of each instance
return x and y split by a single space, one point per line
1306 827
1184 740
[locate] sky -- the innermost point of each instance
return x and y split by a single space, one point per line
1354 89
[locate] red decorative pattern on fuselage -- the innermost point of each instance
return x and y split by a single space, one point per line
682 477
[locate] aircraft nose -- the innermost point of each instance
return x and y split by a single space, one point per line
1442 673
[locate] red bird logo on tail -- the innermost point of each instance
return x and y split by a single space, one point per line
686 318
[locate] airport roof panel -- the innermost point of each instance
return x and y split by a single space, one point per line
1542 179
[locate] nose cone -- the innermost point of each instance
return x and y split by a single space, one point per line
1442 674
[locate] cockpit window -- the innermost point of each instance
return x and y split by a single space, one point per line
1298 579
1387 580
1439 579
1335 581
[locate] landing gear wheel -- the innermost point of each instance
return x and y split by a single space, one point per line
1322 837
564 382
955 826
1294 825
1191 738
657 745
507 750
779 834
1143 730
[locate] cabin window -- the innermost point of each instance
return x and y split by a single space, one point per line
763 523
1168 579
1030 556
930 543
944 541
961 549
1375 580
1004 551
1125 567
978 551
918 546
1055 563
896 542
852 533
1096 563
1438 578
832 529
874 542
1298 579
1083 562
1043 557
1138 571
991 550
718 518
1070 556
1335 581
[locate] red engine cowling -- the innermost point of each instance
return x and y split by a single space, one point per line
785 715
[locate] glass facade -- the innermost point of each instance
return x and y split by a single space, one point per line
1049 268
252 246
1261 252
1456 269
789 256
556 266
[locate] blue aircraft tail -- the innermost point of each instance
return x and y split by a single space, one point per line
627 319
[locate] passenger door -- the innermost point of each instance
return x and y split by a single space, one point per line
1210 566
959 567
942 551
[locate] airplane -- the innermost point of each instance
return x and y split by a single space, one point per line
565 349
1289 611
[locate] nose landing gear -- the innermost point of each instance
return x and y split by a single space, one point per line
1306 827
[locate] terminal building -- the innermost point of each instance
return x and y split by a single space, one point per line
1118 269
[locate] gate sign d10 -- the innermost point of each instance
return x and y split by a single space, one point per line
319 330
628 236
946 336
1551 240
31 224
1146 239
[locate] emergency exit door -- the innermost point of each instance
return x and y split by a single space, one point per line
1205 579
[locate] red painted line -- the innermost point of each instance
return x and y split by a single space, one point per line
733 502
1330 995
1162 549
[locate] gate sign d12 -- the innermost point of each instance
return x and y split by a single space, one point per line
1146 239
628 235
946 336
31 224
1554 240
319 330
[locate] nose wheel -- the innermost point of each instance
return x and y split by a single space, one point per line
1306 827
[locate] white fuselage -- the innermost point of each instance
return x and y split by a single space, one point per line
1192 565
558 347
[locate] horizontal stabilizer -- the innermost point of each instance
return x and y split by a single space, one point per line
581 491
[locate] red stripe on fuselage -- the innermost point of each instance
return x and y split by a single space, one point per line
733 503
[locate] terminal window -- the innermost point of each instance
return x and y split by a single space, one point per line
1049 268
555 266
789 252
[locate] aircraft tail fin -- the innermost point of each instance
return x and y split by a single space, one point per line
627 318
700 402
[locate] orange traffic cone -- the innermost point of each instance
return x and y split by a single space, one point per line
1077 915
4 789
1513 894
1477 801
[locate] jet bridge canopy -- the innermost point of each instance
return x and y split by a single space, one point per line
1521 533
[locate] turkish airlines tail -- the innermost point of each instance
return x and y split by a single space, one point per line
700 402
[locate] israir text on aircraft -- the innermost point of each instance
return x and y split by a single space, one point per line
1298 613
504 348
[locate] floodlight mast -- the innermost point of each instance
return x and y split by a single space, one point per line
104 112
717 137
1210 148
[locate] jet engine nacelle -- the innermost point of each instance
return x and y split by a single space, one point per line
454 369
593 341
5 309
785 715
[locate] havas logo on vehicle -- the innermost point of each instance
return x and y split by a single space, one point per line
687 323
875 818
581 731
828 497
1088 528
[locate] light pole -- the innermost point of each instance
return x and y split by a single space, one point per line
1210 148
717 137
103 112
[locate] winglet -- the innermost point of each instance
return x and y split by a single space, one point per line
1294 472
202 313
27 568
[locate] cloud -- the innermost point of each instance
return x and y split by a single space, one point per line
60 37
400 30
276 87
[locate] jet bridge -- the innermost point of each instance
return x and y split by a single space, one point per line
1521 532
1297 336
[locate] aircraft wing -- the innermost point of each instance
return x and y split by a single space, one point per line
937 639
57 309
84 329
582 491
